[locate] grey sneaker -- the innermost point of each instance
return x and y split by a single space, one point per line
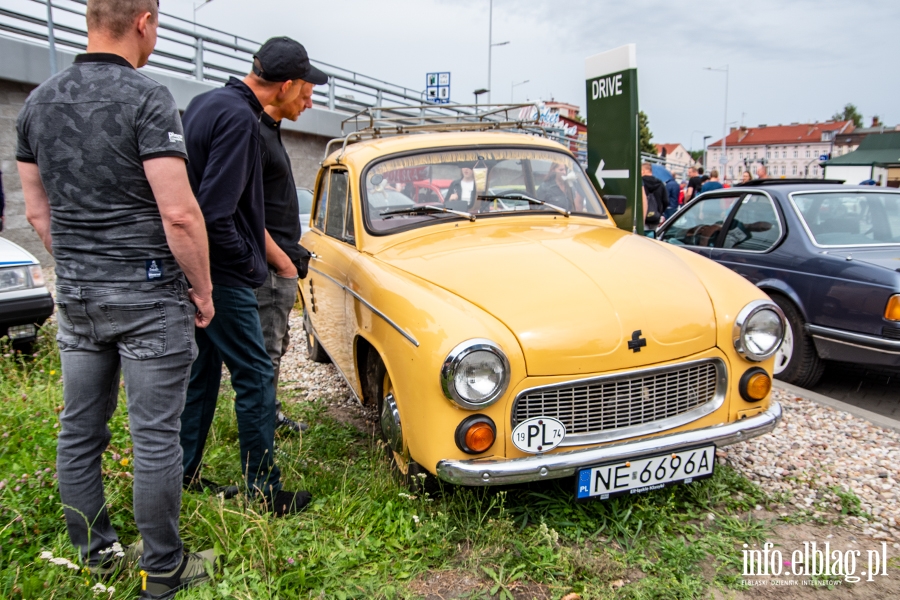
117 559
289 426
192 571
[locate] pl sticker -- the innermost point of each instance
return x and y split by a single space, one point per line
538 435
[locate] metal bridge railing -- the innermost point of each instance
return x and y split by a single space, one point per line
190 50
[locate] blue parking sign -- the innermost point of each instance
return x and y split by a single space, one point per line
437 87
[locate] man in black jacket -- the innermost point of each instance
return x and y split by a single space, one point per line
657 198
222 138
287 259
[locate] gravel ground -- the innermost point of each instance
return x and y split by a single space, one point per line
814 451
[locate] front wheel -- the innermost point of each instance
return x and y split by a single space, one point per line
796 360
380 391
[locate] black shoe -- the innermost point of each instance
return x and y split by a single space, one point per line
286 503
191 571
289 426
199 484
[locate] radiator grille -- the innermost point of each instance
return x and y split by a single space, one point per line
608 404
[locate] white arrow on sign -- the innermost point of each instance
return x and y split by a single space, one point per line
611 174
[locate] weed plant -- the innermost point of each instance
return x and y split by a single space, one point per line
364 536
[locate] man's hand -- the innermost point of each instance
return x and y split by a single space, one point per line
205 309
278 259
288 270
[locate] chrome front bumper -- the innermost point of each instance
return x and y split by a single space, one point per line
492 471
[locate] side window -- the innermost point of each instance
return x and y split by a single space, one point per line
350 233
700 224
755 225
337 202
319 221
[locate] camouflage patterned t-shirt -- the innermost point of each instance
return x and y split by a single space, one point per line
89 129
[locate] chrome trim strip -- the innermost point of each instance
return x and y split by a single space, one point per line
580 439
494 471
387 320
860 340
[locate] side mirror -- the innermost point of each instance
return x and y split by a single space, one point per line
616 204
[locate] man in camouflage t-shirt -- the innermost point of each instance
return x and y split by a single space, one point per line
101 156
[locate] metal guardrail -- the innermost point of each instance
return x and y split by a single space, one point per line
190 50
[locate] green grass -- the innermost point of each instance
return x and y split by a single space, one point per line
364 536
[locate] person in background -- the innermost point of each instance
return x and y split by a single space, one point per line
673 190
287 259
657 198
463 189
101 157
713 183
746 176
225 169
694 183
557 191
762 172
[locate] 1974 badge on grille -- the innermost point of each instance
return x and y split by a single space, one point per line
540 434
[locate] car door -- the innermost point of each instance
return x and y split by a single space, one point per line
749 243
333 251
698 226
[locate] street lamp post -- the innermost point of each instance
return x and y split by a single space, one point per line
705 161
725 119
477 93
513 86
491 45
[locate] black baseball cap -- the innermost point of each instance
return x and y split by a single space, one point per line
284 59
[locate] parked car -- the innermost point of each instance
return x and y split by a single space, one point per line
512 339
827 254
25 302
304 201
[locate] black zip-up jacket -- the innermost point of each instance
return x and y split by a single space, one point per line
221 131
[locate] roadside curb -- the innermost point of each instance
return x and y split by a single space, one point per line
874 418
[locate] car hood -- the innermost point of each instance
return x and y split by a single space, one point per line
573 294
13 254
888 257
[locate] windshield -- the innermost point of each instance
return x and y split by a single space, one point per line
412 190
851 218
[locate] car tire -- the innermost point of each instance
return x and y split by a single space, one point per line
799 364
313 347
407 471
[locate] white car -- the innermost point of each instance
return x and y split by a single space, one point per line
25 302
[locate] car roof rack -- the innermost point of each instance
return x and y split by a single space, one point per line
795 181
381 121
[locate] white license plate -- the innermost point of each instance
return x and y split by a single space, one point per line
645 474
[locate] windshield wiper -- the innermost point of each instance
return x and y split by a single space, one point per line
425 209
529 199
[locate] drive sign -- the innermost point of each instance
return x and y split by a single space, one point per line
537 435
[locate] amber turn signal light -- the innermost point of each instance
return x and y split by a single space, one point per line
892 310
476 434
755 385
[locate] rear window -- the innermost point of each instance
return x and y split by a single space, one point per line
851 218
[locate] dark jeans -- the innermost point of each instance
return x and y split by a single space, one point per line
276 298
149 336
235 337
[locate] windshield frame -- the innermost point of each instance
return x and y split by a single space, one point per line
809 233
543 211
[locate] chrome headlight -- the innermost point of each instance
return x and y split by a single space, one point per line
758 330
21 278
475 374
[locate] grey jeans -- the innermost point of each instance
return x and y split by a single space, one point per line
276 298
148 336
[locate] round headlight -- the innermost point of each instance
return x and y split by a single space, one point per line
758 330
475 374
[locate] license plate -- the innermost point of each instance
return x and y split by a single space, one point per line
640 475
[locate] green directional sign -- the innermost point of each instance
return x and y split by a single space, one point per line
612 129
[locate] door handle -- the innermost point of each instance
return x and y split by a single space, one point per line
314 255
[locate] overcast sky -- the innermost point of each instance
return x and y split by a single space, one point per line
789 60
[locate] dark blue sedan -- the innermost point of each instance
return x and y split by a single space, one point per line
827 254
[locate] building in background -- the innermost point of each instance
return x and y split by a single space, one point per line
877 159
570 111
850 141
676 159
789 151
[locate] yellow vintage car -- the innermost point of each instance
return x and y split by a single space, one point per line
510 332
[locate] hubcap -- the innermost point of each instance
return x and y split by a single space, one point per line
390 423
785 351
